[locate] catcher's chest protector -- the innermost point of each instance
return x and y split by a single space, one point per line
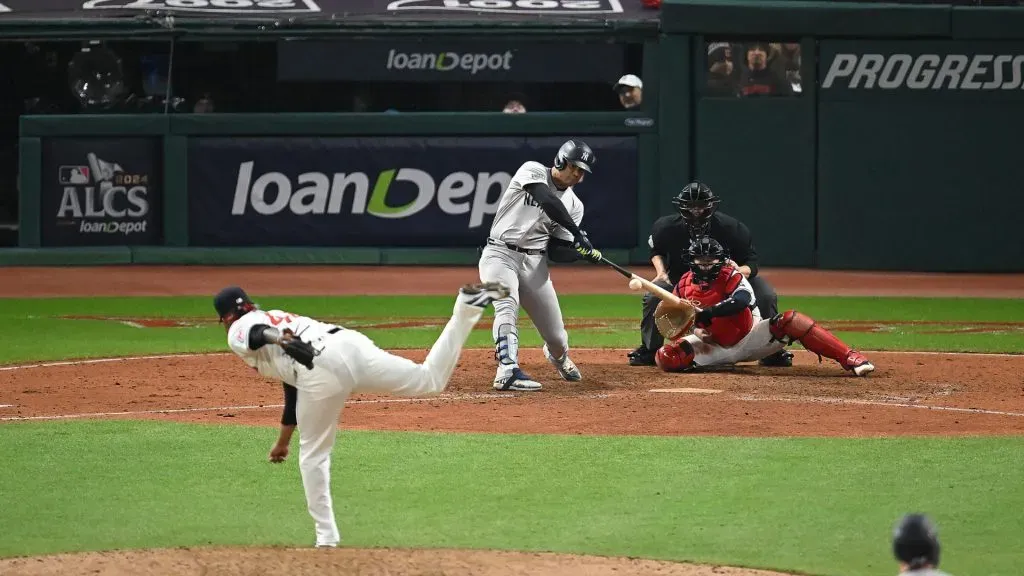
707 296
725 330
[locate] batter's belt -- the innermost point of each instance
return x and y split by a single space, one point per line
510 246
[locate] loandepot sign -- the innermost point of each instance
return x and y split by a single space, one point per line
456 194
925 72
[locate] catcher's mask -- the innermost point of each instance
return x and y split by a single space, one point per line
696 203
915 541
706 259
231 303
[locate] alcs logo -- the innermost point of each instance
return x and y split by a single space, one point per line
103 190
318 193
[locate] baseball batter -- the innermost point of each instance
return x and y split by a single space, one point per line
729 327
538 217
322 364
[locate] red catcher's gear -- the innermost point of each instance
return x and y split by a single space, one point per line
725 330
674 357
800 328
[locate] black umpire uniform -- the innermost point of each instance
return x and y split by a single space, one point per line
670 240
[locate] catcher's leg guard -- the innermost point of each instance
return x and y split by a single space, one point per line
801 328
675 357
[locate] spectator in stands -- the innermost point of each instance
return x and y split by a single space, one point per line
757 77
630 90
722 75
788 64
204 105
514 107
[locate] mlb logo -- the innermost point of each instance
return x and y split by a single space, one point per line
74 175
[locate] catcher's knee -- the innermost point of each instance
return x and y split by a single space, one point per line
675 357
790 324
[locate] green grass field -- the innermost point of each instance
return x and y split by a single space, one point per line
815 506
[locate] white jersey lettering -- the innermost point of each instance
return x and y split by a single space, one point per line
521 221
270 360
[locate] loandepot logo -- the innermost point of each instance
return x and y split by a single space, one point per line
926 72
458 193
511 6
448 61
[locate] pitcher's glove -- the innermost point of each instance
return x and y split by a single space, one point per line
303 352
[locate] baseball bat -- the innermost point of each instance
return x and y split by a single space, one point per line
651 287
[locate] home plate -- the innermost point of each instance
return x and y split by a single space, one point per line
687 390
6 405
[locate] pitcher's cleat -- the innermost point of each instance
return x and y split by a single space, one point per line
482 294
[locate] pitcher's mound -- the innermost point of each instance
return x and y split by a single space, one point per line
355 561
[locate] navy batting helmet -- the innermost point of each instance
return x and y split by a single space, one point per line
231 303
575 152
915 541
696 203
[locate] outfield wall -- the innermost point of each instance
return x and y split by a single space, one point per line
897 154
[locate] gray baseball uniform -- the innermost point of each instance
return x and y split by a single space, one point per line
514 256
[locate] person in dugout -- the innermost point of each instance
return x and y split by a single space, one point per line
698 215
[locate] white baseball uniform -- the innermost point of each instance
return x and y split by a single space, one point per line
348 363
514 256
757 343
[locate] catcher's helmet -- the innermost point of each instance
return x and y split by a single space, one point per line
915 541
712 256
575 152
696 203
231 303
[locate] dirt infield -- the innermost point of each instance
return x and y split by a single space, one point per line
909 394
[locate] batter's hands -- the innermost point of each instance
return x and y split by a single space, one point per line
278 453
585 249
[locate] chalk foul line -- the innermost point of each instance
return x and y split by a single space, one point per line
443 398
837 400
105 360
205 354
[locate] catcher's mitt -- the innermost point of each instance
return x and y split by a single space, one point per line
674 320
303 352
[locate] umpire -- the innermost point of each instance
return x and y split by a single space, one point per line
669 242
915 544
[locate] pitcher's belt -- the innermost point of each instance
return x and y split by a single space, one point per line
510 246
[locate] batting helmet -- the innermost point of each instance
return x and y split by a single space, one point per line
575 152
696 203
231 303
915 541
712 256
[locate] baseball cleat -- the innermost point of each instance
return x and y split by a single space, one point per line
566 368
641 357
516 380
482 294
782 359
858 364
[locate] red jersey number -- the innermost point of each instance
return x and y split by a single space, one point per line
277 320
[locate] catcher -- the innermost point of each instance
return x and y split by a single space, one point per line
727 325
